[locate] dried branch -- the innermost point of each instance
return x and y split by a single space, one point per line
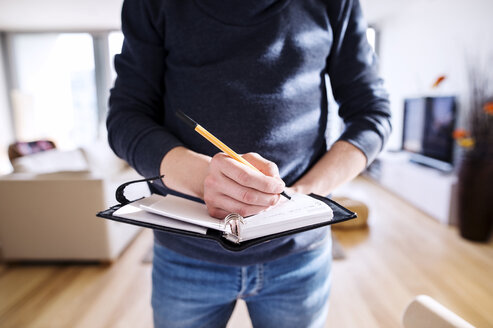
480 123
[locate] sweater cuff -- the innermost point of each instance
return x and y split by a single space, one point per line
368 141
149 153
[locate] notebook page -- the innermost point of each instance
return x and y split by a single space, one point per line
181 209
300 207
133 212
247 234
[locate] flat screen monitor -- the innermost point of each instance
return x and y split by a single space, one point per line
428 126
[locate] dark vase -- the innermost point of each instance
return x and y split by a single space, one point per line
475 198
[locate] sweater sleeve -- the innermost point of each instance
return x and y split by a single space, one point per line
135 120
357 88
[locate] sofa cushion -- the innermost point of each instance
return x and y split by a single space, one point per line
102 160
51 161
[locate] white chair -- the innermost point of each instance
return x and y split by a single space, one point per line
425 312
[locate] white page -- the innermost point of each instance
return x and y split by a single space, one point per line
300 207
133 212
247 234
181 209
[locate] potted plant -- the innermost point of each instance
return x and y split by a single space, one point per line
475 185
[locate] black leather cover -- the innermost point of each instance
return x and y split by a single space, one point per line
340 214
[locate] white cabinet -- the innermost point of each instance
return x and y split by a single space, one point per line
429 189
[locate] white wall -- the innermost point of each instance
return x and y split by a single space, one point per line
34 15
428 39
376 10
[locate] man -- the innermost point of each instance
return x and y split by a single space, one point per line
252 72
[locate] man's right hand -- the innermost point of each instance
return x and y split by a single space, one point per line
232 187
226 185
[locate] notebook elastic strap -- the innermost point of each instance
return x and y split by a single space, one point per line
119 194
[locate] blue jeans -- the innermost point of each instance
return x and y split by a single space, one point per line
288 292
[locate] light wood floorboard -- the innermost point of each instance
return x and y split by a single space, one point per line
405 253
402 254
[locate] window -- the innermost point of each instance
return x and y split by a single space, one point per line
54 87
59 85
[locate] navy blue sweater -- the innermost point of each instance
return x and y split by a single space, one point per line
253 73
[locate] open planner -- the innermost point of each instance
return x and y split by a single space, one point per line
183 216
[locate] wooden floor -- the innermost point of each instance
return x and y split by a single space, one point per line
404 253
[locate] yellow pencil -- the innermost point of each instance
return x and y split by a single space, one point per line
216 142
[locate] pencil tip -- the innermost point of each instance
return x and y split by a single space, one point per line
286 195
